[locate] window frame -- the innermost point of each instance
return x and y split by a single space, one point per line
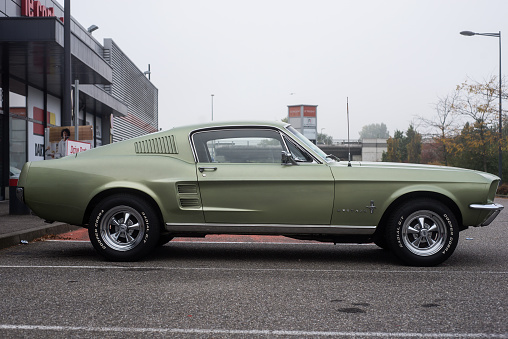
281 133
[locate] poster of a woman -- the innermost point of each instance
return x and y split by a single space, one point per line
57 137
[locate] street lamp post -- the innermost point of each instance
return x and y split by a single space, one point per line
212 107
322 139
496 35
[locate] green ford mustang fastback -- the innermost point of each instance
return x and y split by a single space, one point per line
252 178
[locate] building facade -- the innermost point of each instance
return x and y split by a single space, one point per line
373 149
115 97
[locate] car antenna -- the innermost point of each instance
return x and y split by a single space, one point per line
348 143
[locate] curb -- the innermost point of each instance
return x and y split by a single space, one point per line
15 238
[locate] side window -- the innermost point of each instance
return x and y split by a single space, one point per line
298 154
238 146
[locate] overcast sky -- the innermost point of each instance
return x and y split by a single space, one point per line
392 58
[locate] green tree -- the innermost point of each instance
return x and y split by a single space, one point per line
374 131
413 145
323 138
395 148
404 148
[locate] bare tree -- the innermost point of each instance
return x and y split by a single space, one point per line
443 126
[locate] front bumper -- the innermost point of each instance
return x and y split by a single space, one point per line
494 210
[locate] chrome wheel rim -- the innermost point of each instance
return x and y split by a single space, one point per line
122 228
424 233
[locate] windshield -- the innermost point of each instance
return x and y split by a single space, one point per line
308 143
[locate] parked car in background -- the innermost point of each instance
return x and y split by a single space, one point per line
14 172
255 178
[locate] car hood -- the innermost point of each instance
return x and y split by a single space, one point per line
411 172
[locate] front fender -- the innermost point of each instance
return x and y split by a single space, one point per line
461 197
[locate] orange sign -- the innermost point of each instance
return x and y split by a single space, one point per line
309 111
294 112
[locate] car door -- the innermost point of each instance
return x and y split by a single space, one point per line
243 181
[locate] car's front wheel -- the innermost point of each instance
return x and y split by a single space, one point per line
124 228
423 232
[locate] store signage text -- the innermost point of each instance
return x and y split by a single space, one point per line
74 147
33 8
296 111
39 150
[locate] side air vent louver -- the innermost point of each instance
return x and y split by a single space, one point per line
187 189
188 195
160 145
189 202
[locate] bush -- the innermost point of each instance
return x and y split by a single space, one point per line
503 189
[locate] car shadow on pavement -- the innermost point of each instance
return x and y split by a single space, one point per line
273 253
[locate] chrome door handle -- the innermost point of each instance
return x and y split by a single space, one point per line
202 169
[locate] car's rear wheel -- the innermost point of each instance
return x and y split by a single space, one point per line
423 232
124 228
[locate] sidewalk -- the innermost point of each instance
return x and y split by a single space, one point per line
15 228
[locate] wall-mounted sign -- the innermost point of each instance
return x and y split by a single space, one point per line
309 111
309 122
304 119
33 8
74 147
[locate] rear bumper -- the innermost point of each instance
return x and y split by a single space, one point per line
493 209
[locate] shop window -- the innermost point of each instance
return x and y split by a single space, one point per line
17 133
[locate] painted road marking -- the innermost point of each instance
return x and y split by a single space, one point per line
130 268
250 332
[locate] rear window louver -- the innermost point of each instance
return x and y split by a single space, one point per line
160 145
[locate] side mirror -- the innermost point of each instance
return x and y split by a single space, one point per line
287 159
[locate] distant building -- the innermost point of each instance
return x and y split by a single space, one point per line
372 149
360 150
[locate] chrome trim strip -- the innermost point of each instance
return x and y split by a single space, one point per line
222 228
494 208
491 218
486 207
236 127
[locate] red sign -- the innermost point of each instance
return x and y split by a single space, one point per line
309 111
33 8
294 112
38 116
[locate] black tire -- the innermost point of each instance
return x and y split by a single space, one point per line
164 239
423 232
380 240
124 228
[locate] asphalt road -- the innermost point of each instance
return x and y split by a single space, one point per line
62 289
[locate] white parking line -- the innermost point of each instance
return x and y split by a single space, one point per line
251 332
165 268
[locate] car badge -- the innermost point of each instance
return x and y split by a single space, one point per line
371 207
